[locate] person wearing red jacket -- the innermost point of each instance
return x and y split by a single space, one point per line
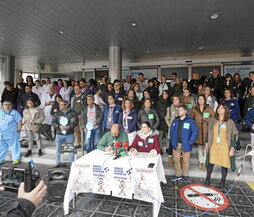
146 140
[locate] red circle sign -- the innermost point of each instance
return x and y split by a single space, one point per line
204 198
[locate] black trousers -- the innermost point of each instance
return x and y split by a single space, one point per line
224 172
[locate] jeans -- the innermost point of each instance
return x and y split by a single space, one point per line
60 139
91 139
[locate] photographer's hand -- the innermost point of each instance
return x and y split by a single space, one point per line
36 195
1 188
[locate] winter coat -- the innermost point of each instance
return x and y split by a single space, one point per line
188 135
161 108
116 112
34 119
152 117
249 119
131 120
202 119
143 144
233 107
72 117
248 104
83 116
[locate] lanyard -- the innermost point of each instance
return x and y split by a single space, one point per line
125 120
146 142
219 126
111 109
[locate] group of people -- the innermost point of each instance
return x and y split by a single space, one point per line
151 115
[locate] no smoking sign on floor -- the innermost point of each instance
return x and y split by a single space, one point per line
204 198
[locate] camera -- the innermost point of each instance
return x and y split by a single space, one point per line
13 176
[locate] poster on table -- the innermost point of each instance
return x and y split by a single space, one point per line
82 178
144 185
121 182
100 179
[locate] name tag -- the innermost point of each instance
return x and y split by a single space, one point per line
91 114
232 104
150 140
109 119
117 111
206 115
120 99
140 143
186 126
218 139
189 105
150 116
129 117
223 126
79 101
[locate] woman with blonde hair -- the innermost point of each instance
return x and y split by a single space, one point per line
32 119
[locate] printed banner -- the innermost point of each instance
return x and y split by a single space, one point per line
101 180
121 185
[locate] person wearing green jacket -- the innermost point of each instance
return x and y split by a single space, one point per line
108 140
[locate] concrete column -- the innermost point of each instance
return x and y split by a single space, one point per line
7 70
115 62
189 72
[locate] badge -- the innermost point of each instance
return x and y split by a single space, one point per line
120 99
186 126
140 143
189 105
109 119
91 114
129 117
206 115
150 116
218 139
78 100
150 140
89 126
223 126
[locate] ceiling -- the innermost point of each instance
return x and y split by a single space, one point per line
29 29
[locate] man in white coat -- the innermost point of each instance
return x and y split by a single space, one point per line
48 100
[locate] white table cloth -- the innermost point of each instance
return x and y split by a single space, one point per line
125 177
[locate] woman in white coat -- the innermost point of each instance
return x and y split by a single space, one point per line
66 90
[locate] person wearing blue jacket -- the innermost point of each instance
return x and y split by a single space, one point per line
183 133
249 120
110 114
128 119
234 109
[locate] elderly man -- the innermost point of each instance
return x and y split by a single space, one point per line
107 141
64 121
11 123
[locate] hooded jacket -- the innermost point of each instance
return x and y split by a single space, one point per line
146 144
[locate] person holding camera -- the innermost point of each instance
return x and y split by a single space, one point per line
32 119
27 201
10 127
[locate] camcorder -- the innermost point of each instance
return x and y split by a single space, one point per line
13 176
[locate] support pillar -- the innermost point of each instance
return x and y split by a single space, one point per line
115 62
7 70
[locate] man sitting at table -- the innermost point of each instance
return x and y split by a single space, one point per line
108 140
146 140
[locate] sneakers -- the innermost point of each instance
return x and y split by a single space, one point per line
76 146
200 165
29 152
15 162
203 167
170 161
176 178
2 162
39 153
185 178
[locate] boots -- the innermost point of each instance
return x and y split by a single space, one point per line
29 152
222 184
170 161
200 165
39 153
207 181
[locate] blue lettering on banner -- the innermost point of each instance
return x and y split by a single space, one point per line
119 171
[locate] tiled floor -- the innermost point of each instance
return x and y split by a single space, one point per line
241 203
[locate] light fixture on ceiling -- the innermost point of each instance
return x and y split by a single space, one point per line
1 38
96 54
148 51
133 24
214 16
61 32
201 47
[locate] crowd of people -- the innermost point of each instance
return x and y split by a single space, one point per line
151 115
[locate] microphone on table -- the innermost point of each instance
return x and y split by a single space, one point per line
126 145
117 146
122 153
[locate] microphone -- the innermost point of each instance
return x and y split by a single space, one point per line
126 145
117 145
